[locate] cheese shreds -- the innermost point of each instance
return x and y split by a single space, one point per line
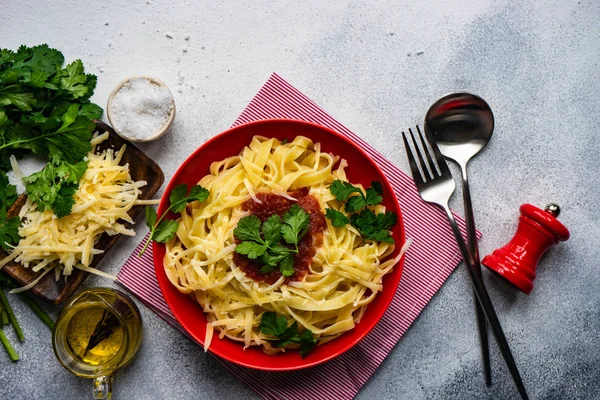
210 330
32 284
106 193
15 167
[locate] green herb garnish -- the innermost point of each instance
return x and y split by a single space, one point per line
371 226
273 325
163 231
53 187
9 227
268 248
45 110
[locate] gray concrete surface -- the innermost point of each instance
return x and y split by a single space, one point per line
376 66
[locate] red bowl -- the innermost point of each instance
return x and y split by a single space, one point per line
361 169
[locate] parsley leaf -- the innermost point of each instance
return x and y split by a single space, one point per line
387 220
273 325
307 342
380 236
296 225
355 203
286 266
377 186
164 230
91 111
277 326
252 250
64 200
337 218
9 232
374 226
342 190
180 198
177 195
197 193
71 173
267 268
23 101
74 79
275 255
289 336
373 197
8 193
150 217
41 58
248 228
271 229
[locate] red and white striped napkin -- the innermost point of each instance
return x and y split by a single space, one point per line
431 258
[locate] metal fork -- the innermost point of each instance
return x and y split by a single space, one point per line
436 186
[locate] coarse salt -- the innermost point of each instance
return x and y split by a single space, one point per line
140 109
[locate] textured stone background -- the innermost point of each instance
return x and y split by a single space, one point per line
376 68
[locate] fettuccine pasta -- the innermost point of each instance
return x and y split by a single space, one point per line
343 277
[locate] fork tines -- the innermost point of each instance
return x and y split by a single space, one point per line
425 171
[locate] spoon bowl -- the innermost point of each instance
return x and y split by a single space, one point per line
461 124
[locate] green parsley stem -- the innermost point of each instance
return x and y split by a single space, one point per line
9 349
12 144
3 317
8 87
22 141
158 221
147 243
37 310
11 316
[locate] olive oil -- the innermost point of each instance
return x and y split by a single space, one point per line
94 335
97 332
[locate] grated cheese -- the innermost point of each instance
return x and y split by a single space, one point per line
106 193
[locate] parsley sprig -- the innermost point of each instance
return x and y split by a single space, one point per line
268 248
371 226
273 325
162 230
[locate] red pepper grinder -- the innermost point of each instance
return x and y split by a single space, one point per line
538 230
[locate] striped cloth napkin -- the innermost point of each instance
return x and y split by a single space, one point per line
431 258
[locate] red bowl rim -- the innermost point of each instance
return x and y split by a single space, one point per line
379 312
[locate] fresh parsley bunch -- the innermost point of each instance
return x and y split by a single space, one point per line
273 325
45 110
268 248
371 226
162 230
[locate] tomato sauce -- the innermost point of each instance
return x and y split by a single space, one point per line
307 246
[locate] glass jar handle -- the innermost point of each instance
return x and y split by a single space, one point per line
103 387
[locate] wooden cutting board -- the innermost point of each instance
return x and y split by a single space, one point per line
141 168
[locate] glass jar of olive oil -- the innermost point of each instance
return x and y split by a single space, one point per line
97 332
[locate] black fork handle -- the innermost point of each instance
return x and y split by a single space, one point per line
488 308
474 251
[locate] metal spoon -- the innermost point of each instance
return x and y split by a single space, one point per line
462 124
